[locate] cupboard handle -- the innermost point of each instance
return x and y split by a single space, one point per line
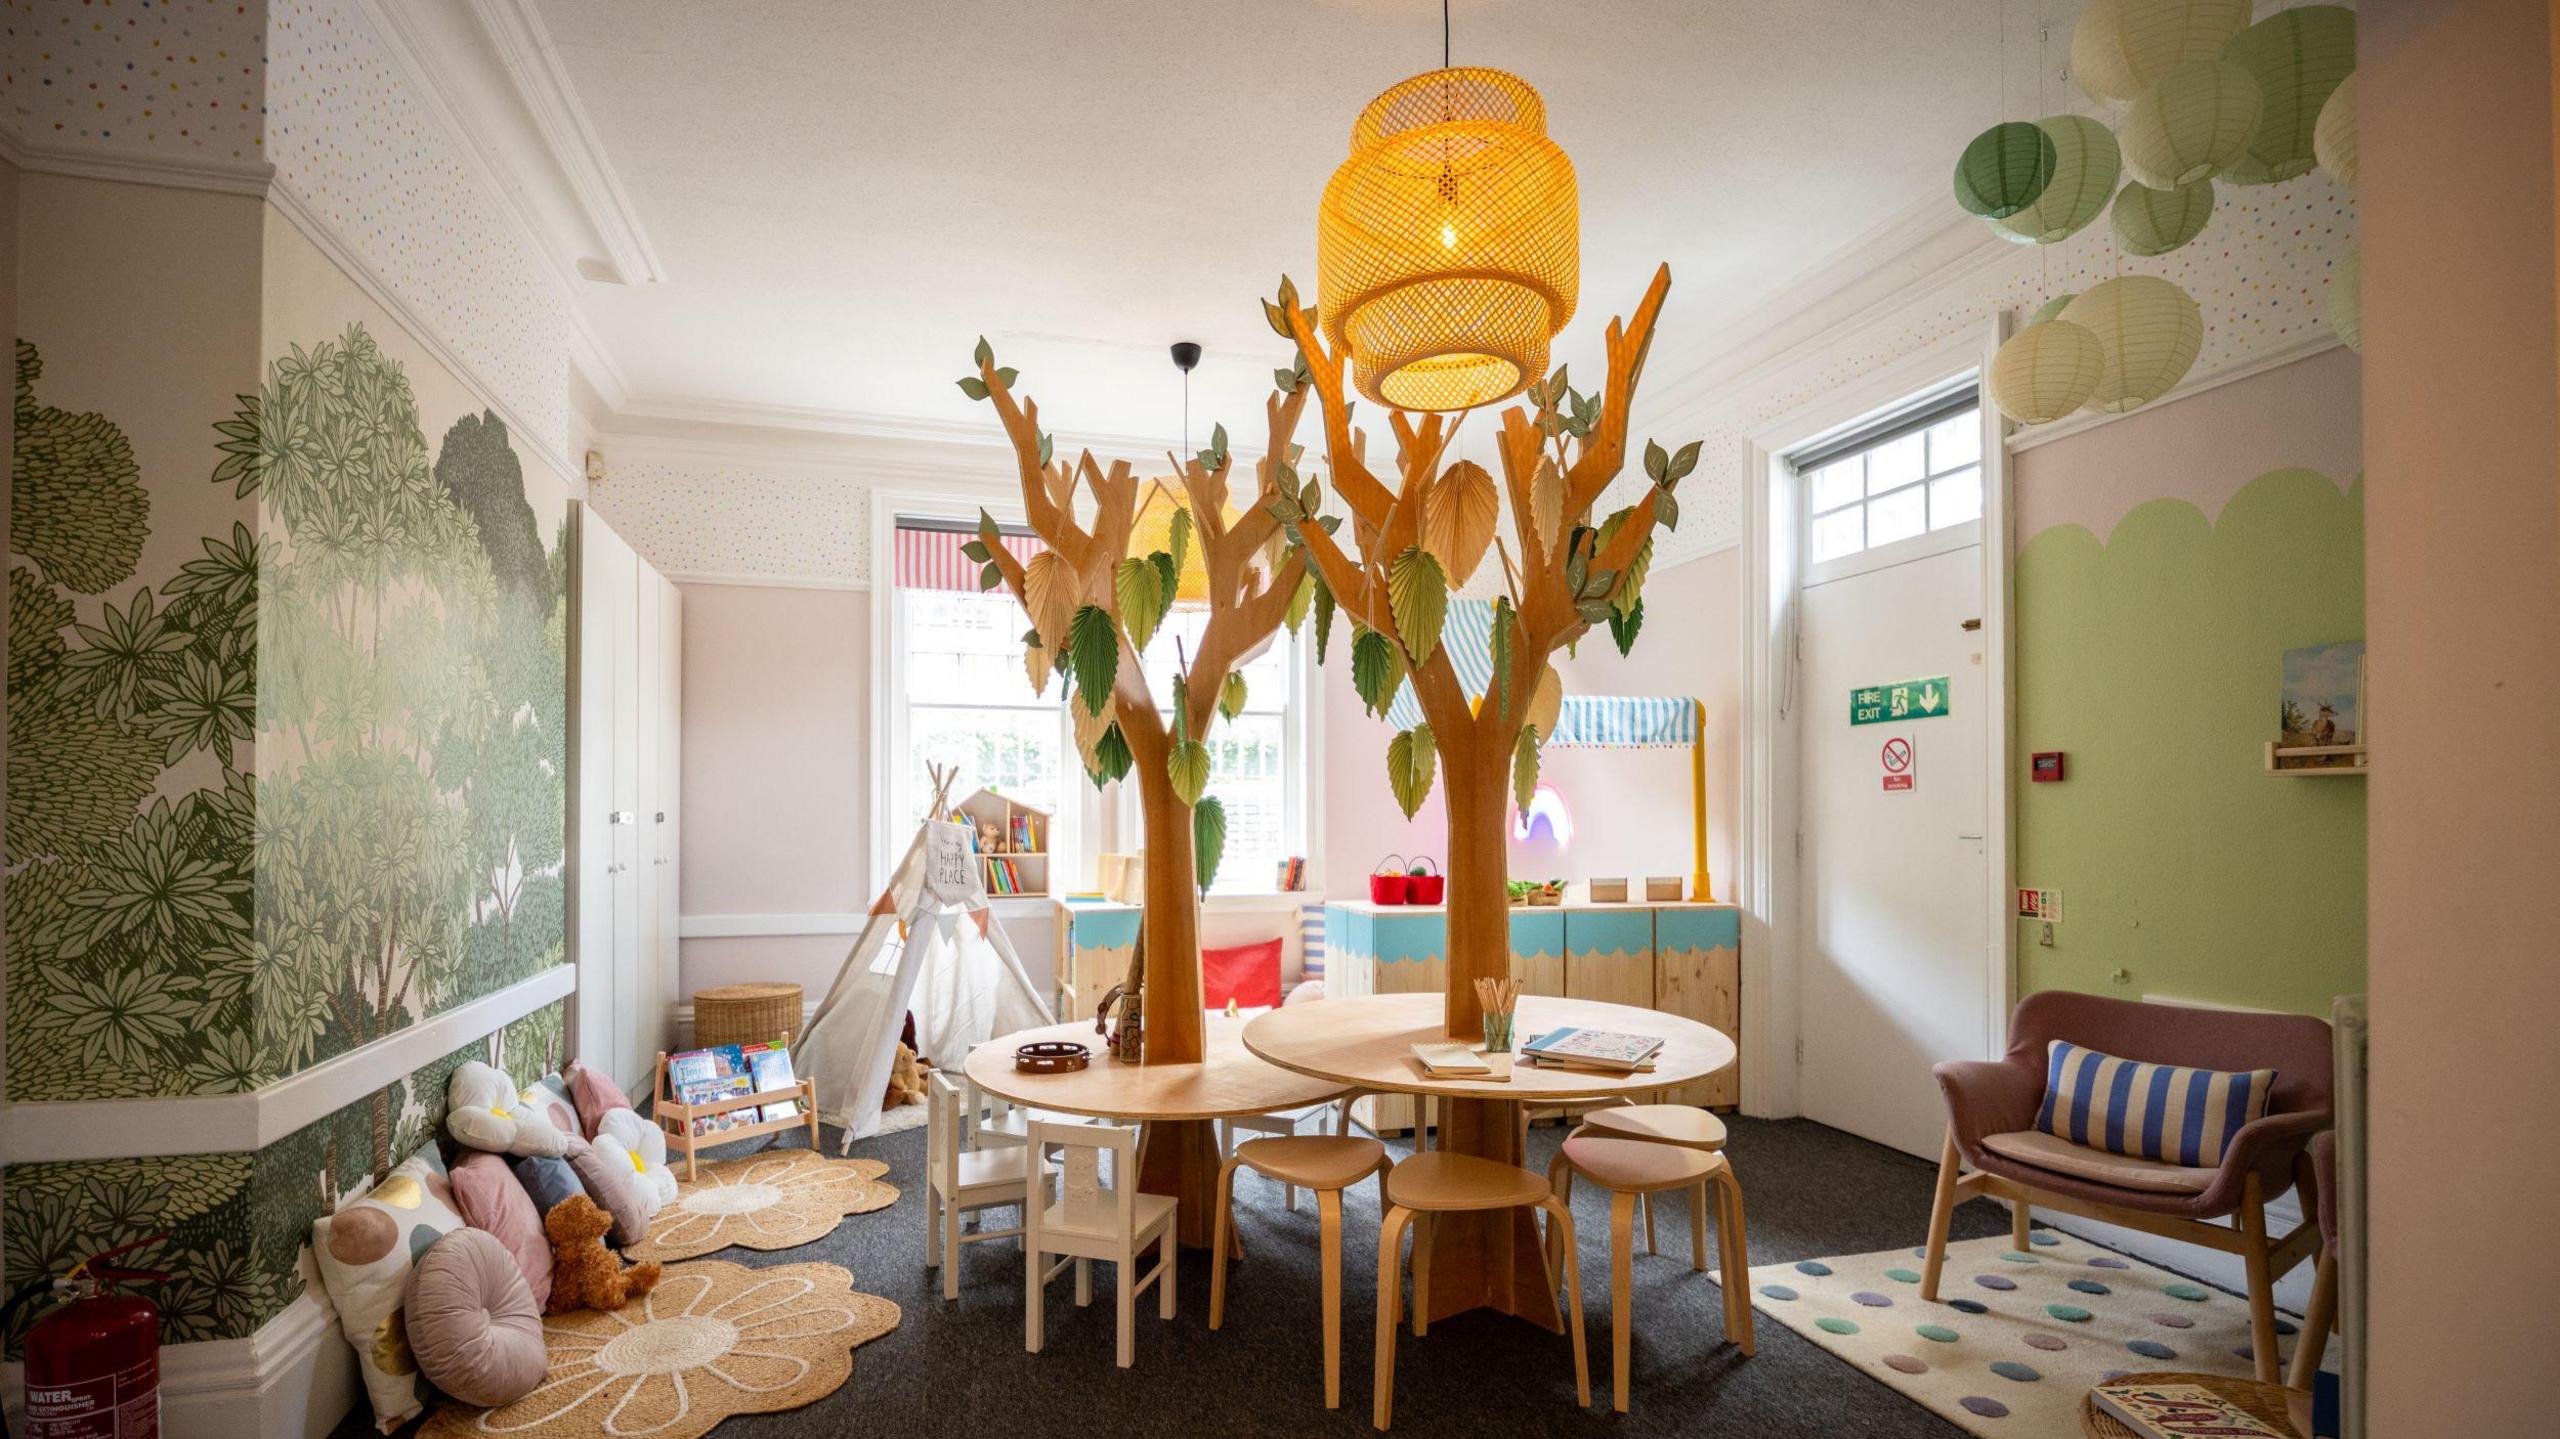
619 816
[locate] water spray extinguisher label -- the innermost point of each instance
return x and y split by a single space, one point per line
124 1405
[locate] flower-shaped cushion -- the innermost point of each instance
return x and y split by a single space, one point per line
483 1111
622 1136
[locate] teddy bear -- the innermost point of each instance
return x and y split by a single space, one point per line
623 1137
483 1111
906 1080
584 1274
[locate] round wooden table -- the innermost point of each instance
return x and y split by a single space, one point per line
1366 1043
1178 1150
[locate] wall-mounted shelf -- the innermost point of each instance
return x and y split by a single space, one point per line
2277 752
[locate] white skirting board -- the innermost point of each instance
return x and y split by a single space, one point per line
295 1377
2213 1266
684 1021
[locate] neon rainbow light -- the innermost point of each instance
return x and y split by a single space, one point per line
1546 807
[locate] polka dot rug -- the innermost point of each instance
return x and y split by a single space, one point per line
2017 1337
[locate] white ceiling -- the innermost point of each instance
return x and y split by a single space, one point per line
844 196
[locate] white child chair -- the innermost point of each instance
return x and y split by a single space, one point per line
961 1180
1092 1219
994 1121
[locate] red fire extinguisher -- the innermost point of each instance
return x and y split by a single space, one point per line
93 1365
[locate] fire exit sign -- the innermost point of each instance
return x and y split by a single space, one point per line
1902 700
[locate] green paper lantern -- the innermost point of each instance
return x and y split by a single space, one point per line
2121 48
2346 300
2333 138
2148 329
2154 222
2084 179
2046 371
2004 169
2049 310
2299 58
2197 120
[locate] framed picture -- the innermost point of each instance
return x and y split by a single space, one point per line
2322 705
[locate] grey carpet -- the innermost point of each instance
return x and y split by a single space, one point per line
958 1367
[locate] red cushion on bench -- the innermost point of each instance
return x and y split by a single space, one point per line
1249 974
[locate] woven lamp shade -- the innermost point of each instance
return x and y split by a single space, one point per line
2346 300
2004 169
2197 120
2299 58
2084 179
2046 371
2121 48
2333 137
1449 246
1153 531
2154 222
2149 330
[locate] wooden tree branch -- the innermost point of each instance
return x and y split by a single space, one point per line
1605 451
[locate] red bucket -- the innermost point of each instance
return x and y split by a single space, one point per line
1391 886
1426 888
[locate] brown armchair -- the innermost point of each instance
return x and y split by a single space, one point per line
1991 1118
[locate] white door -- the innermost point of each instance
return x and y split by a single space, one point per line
1895 963
663 820
606 568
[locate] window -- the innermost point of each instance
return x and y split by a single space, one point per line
970 703
1918 474
1256 760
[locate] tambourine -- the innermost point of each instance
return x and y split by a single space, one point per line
1055 1057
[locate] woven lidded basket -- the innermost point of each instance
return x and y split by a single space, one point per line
746 1014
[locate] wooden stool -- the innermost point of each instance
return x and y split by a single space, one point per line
1685 1125
1630 1168
1440 1182
1327 1164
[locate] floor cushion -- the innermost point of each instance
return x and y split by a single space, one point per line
609 1181
2032 1146
1246 974
546 1182
551 1093
489 1199
473 1324
484 1111
365 1251
596 1096
622 1134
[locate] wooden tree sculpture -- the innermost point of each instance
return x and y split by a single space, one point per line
1418 539
1094 608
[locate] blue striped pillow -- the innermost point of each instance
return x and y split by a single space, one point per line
2148 1111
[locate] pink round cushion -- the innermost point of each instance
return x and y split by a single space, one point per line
615 1189
473 1326
596 1096
490 1198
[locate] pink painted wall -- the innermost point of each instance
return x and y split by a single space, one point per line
2202 448
1630 807
2463 593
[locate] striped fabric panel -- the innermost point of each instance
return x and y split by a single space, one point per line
930 559
1586 722
2148 1111
1311 938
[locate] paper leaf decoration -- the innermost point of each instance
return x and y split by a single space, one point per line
1208 840
1093 653
1231 695
1411 760
1188 767
1323 613
1177 537
1140 591
1524 766
1090 729
1546 703
1299 600
1377 667
1500 641
1458 520
1035 667
1047 592
1546 502
1111 757
1418 596
1623 625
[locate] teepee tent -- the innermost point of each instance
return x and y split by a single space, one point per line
930 946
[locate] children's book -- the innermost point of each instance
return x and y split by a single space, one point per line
770 1064
1452 1060
2180 1411
1594 1048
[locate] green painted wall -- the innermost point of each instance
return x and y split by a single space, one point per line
2154 659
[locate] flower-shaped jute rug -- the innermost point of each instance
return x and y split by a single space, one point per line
774 1200
712 1340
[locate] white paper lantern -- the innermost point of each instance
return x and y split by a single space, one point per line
2346 300
2121 48
2154 222
2046 371
2186 128
2084 179
2148 329
2050 309
2300 57
2333 140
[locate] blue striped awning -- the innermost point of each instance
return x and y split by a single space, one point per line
1587 721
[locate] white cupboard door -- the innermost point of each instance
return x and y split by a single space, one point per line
665 815
606 569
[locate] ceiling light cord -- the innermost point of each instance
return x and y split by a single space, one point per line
1444 34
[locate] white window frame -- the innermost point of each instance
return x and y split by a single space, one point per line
1902 551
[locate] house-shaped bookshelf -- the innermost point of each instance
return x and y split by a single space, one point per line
1012 842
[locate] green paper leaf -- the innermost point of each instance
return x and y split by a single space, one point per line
1208 840
1093 653
990 577
1524 765
1007 375
1168 584
1418 596
977 550
1377 667
988 532
1686 460
1501 644
1411 760
984 355
1111 754
1296 614
1630 590
1177 537
1666 510
1323 613
1623 626
1277 319
1188 767
1138 587
1231 695
1048 447
973 387
1657 461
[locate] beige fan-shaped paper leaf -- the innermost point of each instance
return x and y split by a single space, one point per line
1545 704
1048 593
1188 768
1035 666
1458 520
1546 503
1089 729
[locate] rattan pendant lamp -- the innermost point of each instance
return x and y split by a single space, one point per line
1449 245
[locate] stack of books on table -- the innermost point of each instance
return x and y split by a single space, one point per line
1607 1051
1450 1059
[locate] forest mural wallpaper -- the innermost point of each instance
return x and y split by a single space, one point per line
302 792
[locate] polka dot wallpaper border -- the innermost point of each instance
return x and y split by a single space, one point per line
179 77
702 518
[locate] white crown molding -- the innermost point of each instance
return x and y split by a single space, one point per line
2318 340
542 86
136 165
49 1131
769 582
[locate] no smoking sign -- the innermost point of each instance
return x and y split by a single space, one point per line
1899 776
